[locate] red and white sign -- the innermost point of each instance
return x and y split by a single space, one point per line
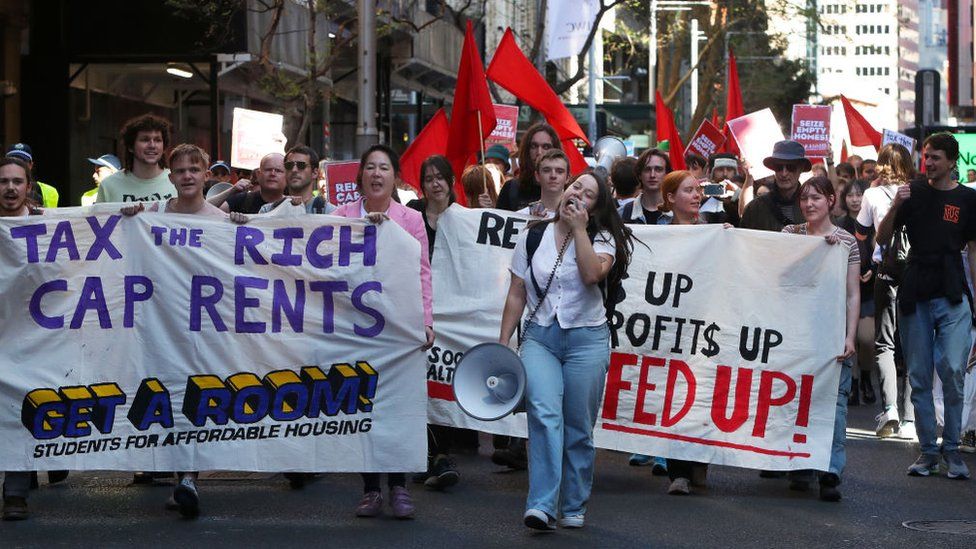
756 133
255 134
340 179
811 128
706 140
504 132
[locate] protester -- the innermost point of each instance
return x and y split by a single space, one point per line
476 192
566 347
651 167
188 174
552 175
497 155
869 170
721 207
970 176
934 299
220 171
42 193
818 170
145 178
895 169
517 193
696 164
105 165
779 207
301 172
861 385
855 161
379 169
239 198
623 179
816 197
15 201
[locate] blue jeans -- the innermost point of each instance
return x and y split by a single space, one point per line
937 337
565 372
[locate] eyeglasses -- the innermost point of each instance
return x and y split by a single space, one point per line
301 165
787 167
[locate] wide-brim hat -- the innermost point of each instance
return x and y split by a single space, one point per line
788 152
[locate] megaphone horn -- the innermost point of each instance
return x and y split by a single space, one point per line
489 382
607 149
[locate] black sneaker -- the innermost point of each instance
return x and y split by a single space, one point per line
443 474
187 497
54 477
512 459
14 508
297 481
828 487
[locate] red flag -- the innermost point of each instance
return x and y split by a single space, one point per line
471 102
843 151
715 117
861 132
431 140
511 70
666 126
576 161
733 103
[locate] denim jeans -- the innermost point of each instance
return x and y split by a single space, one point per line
16 483
565 372
936 337
888 351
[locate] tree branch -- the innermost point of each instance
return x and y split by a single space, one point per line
565 85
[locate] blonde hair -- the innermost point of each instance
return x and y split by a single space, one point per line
895 164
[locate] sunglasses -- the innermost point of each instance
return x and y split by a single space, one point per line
787 167
301 165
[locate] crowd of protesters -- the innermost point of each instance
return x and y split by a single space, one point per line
908 237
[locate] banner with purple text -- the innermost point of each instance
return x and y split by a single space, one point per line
723 348
173 342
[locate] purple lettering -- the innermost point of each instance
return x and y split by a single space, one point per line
199 301
287 258
42 320
92 298
247 239
367 247
29 233
132 296
63 238
103 238
357 302
242 303
328 287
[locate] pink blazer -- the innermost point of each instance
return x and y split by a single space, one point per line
413 223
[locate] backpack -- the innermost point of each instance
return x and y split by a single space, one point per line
611 287
894 256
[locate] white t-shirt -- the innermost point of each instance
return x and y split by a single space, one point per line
548 215
874 206
570 302
124 186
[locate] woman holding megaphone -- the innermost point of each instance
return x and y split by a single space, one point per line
560 269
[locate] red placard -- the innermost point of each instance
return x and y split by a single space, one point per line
340 178
706 141
504 132
756 133
811 128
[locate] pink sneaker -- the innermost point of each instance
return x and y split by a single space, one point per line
401 502
370 505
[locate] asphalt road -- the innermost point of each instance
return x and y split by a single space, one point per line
629 508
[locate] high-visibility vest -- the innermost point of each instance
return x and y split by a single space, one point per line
49 195
88 198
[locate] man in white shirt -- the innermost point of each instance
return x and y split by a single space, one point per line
145 178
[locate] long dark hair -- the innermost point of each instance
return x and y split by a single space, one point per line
443 167
526 174
604 217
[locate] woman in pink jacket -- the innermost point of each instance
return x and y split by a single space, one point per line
379 168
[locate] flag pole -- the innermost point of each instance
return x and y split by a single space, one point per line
481 140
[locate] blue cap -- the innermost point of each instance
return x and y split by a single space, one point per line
21 151
107 161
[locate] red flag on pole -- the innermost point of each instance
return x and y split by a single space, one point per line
666 125
843 151
715 117
861 132
473 115
431 140
733 103
510 69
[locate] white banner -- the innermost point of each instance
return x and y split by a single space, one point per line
171 342
568 23
724 348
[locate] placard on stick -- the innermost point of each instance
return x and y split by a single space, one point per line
891 136
340 178
756 133
706 141
504 132
811 128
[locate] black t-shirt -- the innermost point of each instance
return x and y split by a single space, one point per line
651 217
938 225
513 198
246 203
418 204
850 225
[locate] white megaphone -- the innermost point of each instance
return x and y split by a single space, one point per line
607 149
489 382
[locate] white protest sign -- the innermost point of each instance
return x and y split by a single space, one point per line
756 133
255 134
174 342
891 136
705 367
568 23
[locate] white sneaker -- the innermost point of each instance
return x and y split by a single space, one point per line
572 521
968 442
907 432
538 520
887 422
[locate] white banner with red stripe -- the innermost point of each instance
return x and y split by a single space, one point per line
723 349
